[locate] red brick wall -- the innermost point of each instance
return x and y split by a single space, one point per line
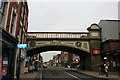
18 19
111 45
9 16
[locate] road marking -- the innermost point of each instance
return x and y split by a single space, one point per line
70 74
73 76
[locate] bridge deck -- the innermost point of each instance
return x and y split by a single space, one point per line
57 35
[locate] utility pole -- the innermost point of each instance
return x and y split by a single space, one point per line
18 76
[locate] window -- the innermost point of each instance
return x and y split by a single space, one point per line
1 10
12 21
1 2
3 15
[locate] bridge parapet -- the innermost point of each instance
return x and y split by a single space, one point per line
56 35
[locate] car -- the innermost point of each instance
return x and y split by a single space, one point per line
44 66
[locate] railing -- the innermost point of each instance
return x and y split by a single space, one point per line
61 35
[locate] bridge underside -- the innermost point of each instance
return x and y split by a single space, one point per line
84 56
56 48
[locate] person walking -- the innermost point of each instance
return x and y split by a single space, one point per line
101 68
30 69
106 70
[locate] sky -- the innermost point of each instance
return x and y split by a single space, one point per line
49 55
68 15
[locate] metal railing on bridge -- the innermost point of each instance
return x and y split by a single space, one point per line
56 35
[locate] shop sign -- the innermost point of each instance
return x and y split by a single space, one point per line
5 61
96 51
4 71
21 45
0 64
5 64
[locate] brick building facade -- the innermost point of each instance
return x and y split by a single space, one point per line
111 54
10 25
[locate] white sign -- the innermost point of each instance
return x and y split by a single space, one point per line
94 34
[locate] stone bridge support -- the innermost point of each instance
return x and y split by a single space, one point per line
95 42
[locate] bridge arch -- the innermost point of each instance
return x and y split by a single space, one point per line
75 42
84 56
36 50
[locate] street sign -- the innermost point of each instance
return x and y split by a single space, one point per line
96 51
21 45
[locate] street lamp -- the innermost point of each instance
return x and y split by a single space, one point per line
18 76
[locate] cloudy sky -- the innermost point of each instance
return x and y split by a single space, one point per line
69 15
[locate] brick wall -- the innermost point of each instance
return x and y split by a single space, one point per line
111 45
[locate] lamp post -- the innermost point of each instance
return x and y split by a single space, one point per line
18 76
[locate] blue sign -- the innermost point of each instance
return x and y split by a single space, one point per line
28 57
21 45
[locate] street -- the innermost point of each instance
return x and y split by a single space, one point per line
59 40
55 73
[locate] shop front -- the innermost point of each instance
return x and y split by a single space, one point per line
8 55
111 54
112 60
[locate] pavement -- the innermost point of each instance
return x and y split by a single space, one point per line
112 75
36 75
58 73
61 73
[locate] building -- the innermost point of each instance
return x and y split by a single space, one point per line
110 46
110 29
66 58
22 21
51 62
11 21
9 41
111 54
119 10
36 61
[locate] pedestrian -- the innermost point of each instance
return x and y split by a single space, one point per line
106 70
101 69
31 69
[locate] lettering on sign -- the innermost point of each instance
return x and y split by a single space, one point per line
21 45
94 34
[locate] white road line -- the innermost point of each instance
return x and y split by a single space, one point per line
70 74
73 76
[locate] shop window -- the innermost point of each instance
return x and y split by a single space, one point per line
113 45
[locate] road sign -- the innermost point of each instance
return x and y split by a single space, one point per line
21 45
96 51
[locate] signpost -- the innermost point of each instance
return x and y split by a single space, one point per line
20 55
